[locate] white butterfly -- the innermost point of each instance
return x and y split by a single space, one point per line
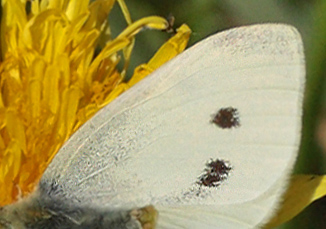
208 140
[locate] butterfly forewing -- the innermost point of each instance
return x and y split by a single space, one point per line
210 134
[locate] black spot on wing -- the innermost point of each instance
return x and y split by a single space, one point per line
227 118
216 171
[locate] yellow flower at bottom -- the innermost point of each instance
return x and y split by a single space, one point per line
52 81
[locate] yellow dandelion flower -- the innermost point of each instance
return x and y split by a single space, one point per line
52 82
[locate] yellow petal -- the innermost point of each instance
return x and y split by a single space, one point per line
302 191
170 49
76 8
125 11
152 22
15 129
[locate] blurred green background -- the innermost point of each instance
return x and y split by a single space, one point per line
206 17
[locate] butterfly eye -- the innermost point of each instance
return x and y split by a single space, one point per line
227 118
215 172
